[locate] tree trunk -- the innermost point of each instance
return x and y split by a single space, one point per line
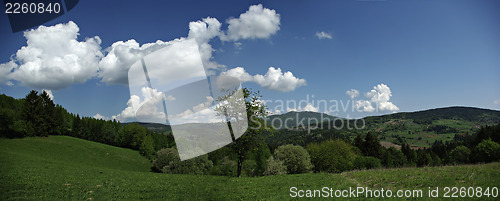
240 164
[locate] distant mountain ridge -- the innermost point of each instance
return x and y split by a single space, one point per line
480 115
472 114
157 127
293 120
419 129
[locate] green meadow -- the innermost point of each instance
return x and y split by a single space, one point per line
67 168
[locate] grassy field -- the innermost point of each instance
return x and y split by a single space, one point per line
66 168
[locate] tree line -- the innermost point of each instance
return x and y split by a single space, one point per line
37 115
338 155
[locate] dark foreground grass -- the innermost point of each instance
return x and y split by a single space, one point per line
65 168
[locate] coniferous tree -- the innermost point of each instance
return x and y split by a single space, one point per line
371 146
410 154
359 142
31 113
47 112
76 126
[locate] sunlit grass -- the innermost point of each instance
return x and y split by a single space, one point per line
66 168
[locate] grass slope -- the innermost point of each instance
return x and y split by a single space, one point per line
66 168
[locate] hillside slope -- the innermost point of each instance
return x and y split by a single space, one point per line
66 168
484 116
420 129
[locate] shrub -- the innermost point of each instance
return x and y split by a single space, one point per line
366 162
295 158
423 158
249 168
393 158
460 154
168 161
275 167
163 158
222 154
146 147
332 156
436 161
198 165
261 155
488 151
226 167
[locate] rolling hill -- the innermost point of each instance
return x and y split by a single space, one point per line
423 128
420 129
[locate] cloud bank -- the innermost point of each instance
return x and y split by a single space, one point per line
274 79
55 58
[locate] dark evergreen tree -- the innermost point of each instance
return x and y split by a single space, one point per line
47 112
371 146
359 141
31 114
423 158
410 154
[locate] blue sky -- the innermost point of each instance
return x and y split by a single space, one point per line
428 54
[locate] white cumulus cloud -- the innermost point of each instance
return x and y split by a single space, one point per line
496 102
364 106
308 108
378 99
380 95
5 71
353 93
120 56
53 58
323 35
203 31
99 116
274 79
257 22
149 107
